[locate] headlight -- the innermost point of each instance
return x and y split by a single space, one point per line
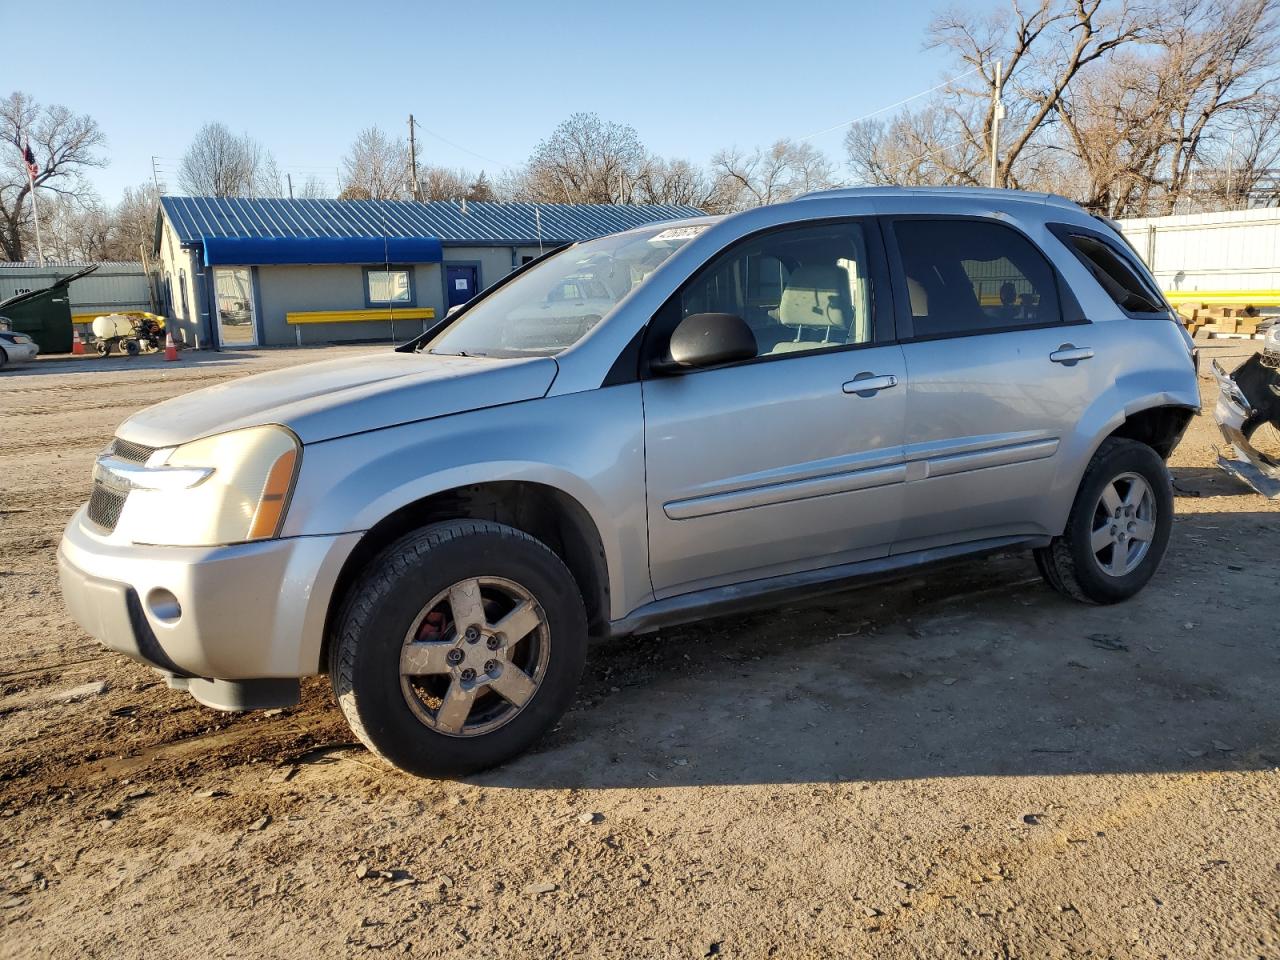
228 488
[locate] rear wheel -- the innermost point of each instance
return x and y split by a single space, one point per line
103 347
1118 528
459 646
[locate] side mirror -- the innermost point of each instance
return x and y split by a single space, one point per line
707 340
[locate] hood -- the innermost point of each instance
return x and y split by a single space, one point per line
335 398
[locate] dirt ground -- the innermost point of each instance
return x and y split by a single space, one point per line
959 764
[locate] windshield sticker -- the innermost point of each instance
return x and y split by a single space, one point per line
678 233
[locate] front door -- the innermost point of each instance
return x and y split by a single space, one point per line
461 283
233 289
783 463
999 374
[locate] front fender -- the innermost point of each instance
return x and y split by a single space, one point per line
589 446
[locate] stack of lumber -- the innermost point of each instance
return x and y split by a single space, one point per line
1211 319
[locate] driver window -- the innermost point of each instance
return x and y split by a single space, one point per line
799 289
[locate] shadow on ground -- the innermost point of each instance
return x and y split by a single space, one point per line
971 670
1207 482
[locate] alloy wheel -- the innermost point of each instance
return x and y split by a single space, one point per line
475 656
1124 524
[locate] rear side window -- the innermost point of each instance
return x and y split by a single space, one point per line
1113 271
970 276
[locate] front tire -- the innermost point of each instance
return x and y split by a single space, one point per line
1118 529
458 647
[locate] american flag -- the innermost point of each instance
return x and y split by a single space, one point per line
30 159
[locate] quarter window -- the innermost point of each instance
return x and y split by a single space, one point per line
799 289
392 286
968 276
1114 273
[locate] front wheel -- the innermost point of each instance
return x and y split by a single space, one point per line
1118 528
458 647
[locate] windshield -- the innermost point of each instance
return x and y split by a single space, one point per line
551 306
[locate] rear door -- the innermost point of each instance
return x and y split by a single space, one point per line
793 460
999 373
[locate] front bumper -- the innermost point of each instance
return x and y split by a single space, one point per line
21 352
247 612
1245 397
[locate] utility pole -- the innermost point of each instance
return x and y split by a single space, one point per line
997 114
413 162
155 172
289 177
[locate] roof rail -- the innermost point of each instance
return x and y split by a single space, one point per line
992 193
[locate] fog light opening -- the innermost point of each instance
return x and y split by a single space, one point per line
163 605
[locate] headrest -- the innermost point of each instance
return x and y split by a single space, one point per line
815 296
919 298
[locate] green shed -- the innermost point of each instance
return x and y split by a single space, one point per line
45 314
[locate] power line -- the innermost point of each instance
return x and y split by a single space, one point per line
892 106
458 146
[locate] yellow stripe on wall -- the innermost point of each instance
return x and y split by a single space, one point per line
358 316
1258 298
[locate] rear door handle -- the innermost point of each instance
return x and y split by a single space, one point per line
1069 354
869 384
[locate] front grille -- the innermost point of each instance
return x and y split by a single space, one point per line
133 452
105 506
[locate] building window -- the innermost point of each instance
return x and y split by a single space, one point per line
182 289
388 286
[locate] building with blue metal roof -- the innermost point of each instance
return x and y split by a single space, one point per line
244 272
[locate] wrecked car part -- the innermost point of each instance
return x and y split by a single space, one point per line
1248 413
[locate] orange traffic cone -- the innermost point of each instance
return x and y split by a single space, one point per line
170 350
77 345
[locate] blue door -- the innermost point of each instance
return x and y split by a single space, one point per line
461 283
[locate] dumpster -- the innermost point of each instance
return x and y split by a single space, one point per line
45 314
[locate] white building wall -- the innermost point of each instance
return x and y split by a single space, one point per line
1233 251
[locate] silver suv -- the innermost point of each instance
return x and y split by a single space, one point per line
757 407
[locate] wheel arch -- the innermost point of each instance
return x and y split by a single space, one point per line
1159 426
1158 420
543 511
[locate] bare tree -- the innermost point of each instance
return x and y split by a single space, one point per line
376 167
218 163
134 220
1218 58
585 160
312 188
442 183
771 174
481 191
681 183
1042 49
920 148
65 145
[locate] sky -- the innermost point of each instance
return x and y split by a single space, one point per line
485 79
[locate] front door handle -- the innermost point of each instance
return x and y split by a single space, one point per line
869 384
1069 354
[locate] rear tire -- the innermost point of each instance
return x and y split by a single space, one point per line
425 671
1105 556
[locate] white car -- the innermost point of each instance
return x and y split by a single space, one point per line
15 347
